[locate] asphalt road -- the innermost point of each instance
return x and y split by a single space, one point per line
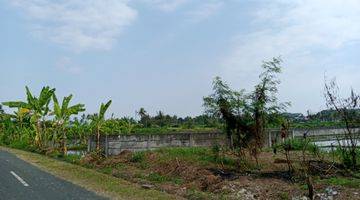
22 181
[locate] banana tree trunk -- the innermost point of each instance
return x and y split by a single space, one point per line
38 134
64 143
98 139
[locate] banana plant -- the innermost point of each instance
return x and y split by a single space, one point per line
98 120
37 108
62 114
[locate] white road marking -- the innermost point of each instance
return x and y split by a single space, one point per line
19 179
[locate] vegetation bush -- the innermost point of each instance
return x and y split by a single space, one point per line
138 157
345 156
301 144
23 145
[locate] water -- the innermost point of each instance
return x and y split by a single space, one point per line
76 152
326 145
334 143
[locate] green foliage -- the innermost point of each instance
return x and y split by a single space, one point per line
106 170
22 144
158 178
300 144
247 116
62 114
97 121
56 154
64 111
344 154
284 196
343 181
37 108
138 157
216 150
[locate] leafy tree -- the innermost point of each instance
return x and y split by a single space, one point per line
247 115
144 117
160 119
37 108
264 100
230 105
62 114
98 121
79 129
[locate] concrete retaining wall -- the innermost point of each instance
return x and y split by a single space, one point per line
315 134
113 145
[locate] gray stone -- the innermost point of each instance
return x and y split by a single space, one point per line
147 186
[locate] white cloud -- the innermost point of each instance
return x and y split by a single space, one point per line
166 5
66 64
78 24
299 28
308 34
205 11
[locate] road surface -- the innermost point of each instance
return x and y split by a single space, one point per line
22 181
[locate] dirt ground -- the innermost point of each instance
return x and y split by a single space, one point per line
192 180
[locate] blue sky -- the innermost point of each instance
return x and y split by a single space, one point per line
163 54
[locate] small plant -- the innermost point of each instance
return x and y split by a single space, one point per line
156 177
349 182
216 150
75 159
138 157
284 196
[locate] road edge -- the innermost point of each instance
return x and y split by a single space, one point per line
90 179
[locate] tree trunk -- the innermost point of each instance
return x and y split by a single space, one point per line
98 139
38 134
64 143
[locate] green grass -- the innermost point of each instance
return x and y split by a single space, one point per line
75 159
284 196
138 157
300 144
341 181
90 179
157 178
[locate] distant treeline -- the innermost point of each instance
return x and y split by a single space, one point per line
324 118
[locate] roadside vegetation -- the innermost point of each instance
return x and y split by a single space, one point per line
100 183
243 169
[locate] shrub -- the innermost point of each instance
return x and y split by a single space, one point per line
155 177
75 159
138 157
344 155
22 144
300 144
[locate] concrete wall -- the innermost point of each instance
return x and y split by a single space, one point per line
322 132
113 144
315 134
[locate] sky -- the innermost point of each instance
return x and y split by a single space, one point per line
164 54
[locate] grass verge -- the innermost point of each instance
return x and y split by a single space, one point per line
341 181
102 184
